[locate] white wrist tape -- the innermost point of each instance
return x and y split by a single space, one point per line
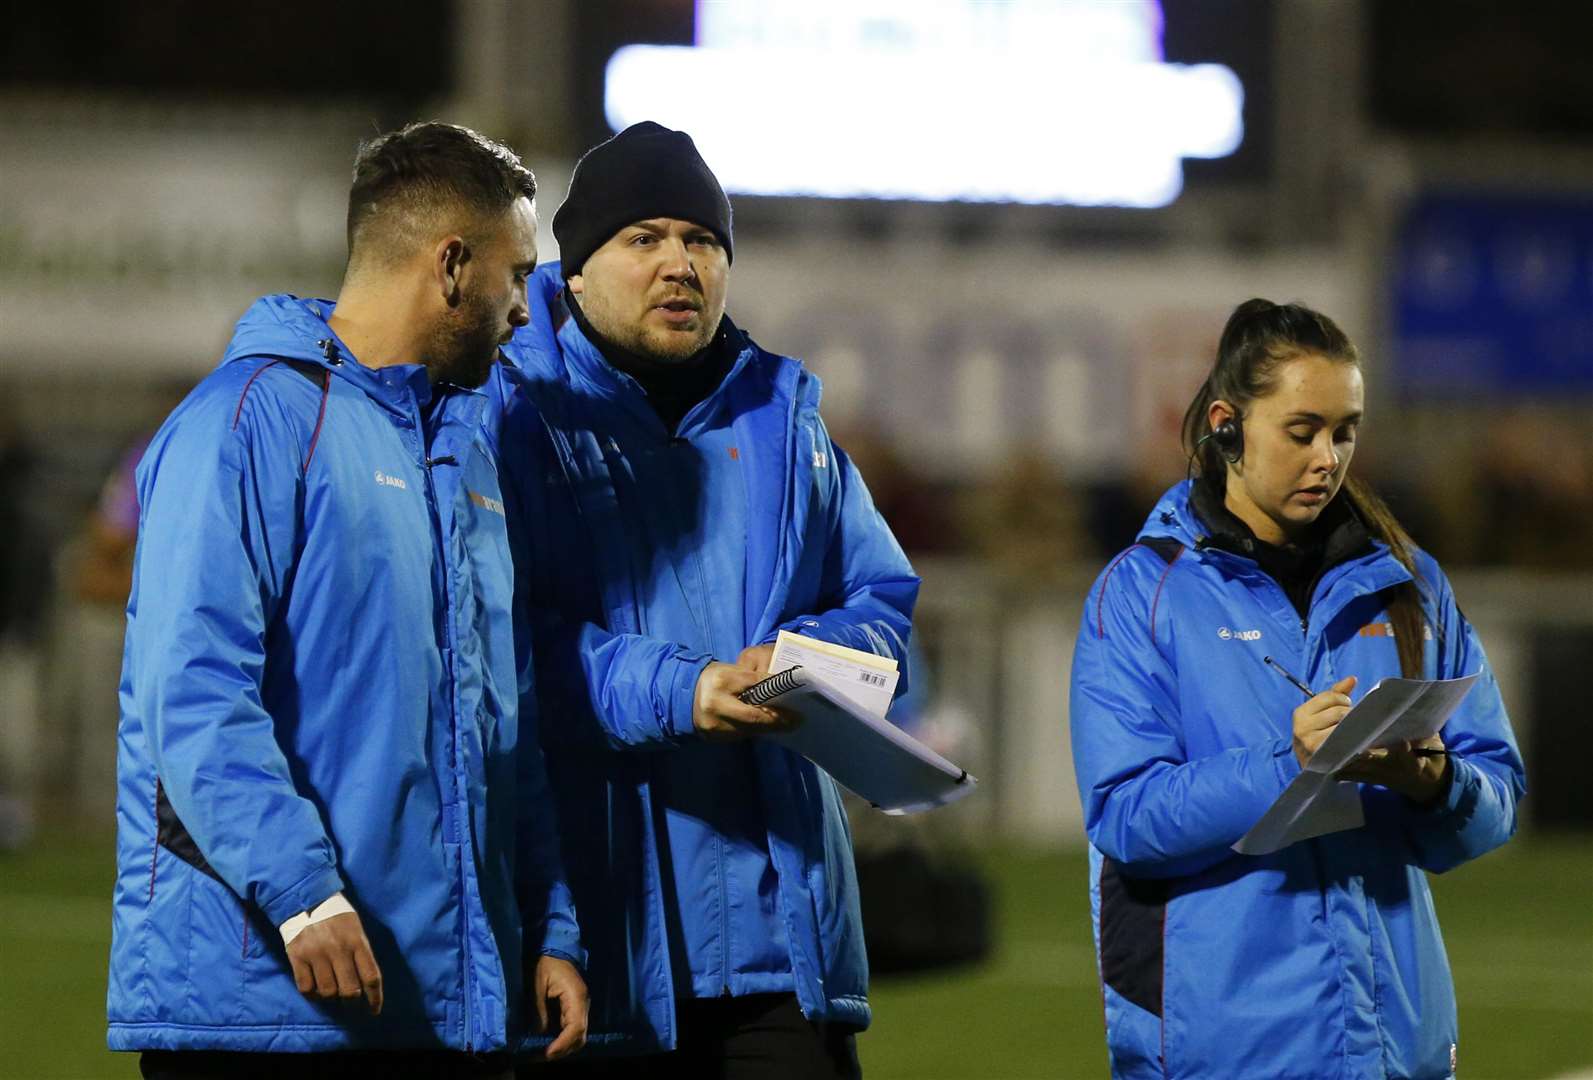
334 905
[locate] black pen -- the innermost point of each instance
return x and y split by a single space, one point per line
1281 670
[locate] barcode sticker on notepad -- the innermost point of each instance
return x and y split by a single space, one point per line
865 679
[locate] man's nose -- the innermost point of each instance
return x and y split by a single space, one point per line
677 260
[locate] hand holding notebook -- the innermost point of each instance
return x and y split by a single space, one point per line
842 695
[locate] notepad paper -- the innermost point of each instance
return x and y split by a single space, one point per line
1316 802
865 679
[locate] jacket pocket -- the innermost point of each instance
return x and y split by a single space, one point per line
1133 920
173 835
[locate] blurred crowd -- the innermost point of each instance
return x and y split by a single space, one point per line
1520 496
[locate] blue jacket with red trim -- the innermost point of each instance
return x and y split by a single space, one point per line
320 694
1320 960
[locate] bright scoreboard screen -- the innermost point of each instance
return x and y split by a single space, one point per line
1061 102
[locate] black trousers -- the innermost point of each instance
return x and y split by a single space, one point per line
757 1037
342 1065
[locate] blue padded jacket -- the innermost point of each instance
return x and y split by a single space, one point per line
320 694
819 559
1323 959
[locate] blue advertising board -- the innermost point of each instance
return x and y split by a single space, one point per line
1493 295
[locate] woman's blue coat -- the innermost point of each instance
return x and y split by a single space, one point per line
1320 960
319 694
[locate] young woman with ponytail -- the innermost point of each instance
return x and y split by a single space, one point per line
1323 959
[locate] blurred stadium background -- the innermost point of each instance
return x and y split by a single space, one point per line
1006 235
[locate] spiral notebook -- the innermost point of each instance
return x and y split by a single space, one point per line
866 753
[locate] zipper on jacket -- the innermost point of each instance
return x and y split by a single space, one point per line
467 969
1303 620
724 917
1305 633
699 618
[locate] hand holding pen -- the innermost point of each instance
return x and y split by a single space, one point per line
1418 771
1315 720
1422 750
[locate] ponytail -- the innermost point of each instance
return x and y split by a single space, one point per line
1405 599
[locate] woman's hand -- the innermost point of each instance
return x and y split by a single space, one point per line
1420 777
1317 718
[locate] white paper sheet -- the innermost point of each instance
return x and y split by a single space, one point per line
1314 803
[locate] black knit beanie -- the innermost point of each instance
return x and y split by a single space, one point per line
646 171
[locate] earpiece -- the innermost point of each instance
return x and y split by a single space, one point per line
1230 440
1229 437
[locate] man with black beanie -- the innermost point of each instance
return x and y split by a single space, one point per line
674 502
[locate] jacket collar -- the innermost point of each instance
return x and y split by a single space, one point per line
1372 569
590 367
1337 535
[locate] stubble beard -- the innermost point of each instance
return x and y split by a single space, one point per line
466 344
662 345
670 346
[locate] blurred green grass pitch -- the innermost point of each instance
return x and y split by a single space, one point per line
1518 923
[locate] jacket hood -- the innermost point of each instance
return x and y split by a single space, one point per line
1174 518
285 327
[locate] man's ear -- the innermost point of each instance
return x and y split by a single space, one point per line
575 284
448 261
